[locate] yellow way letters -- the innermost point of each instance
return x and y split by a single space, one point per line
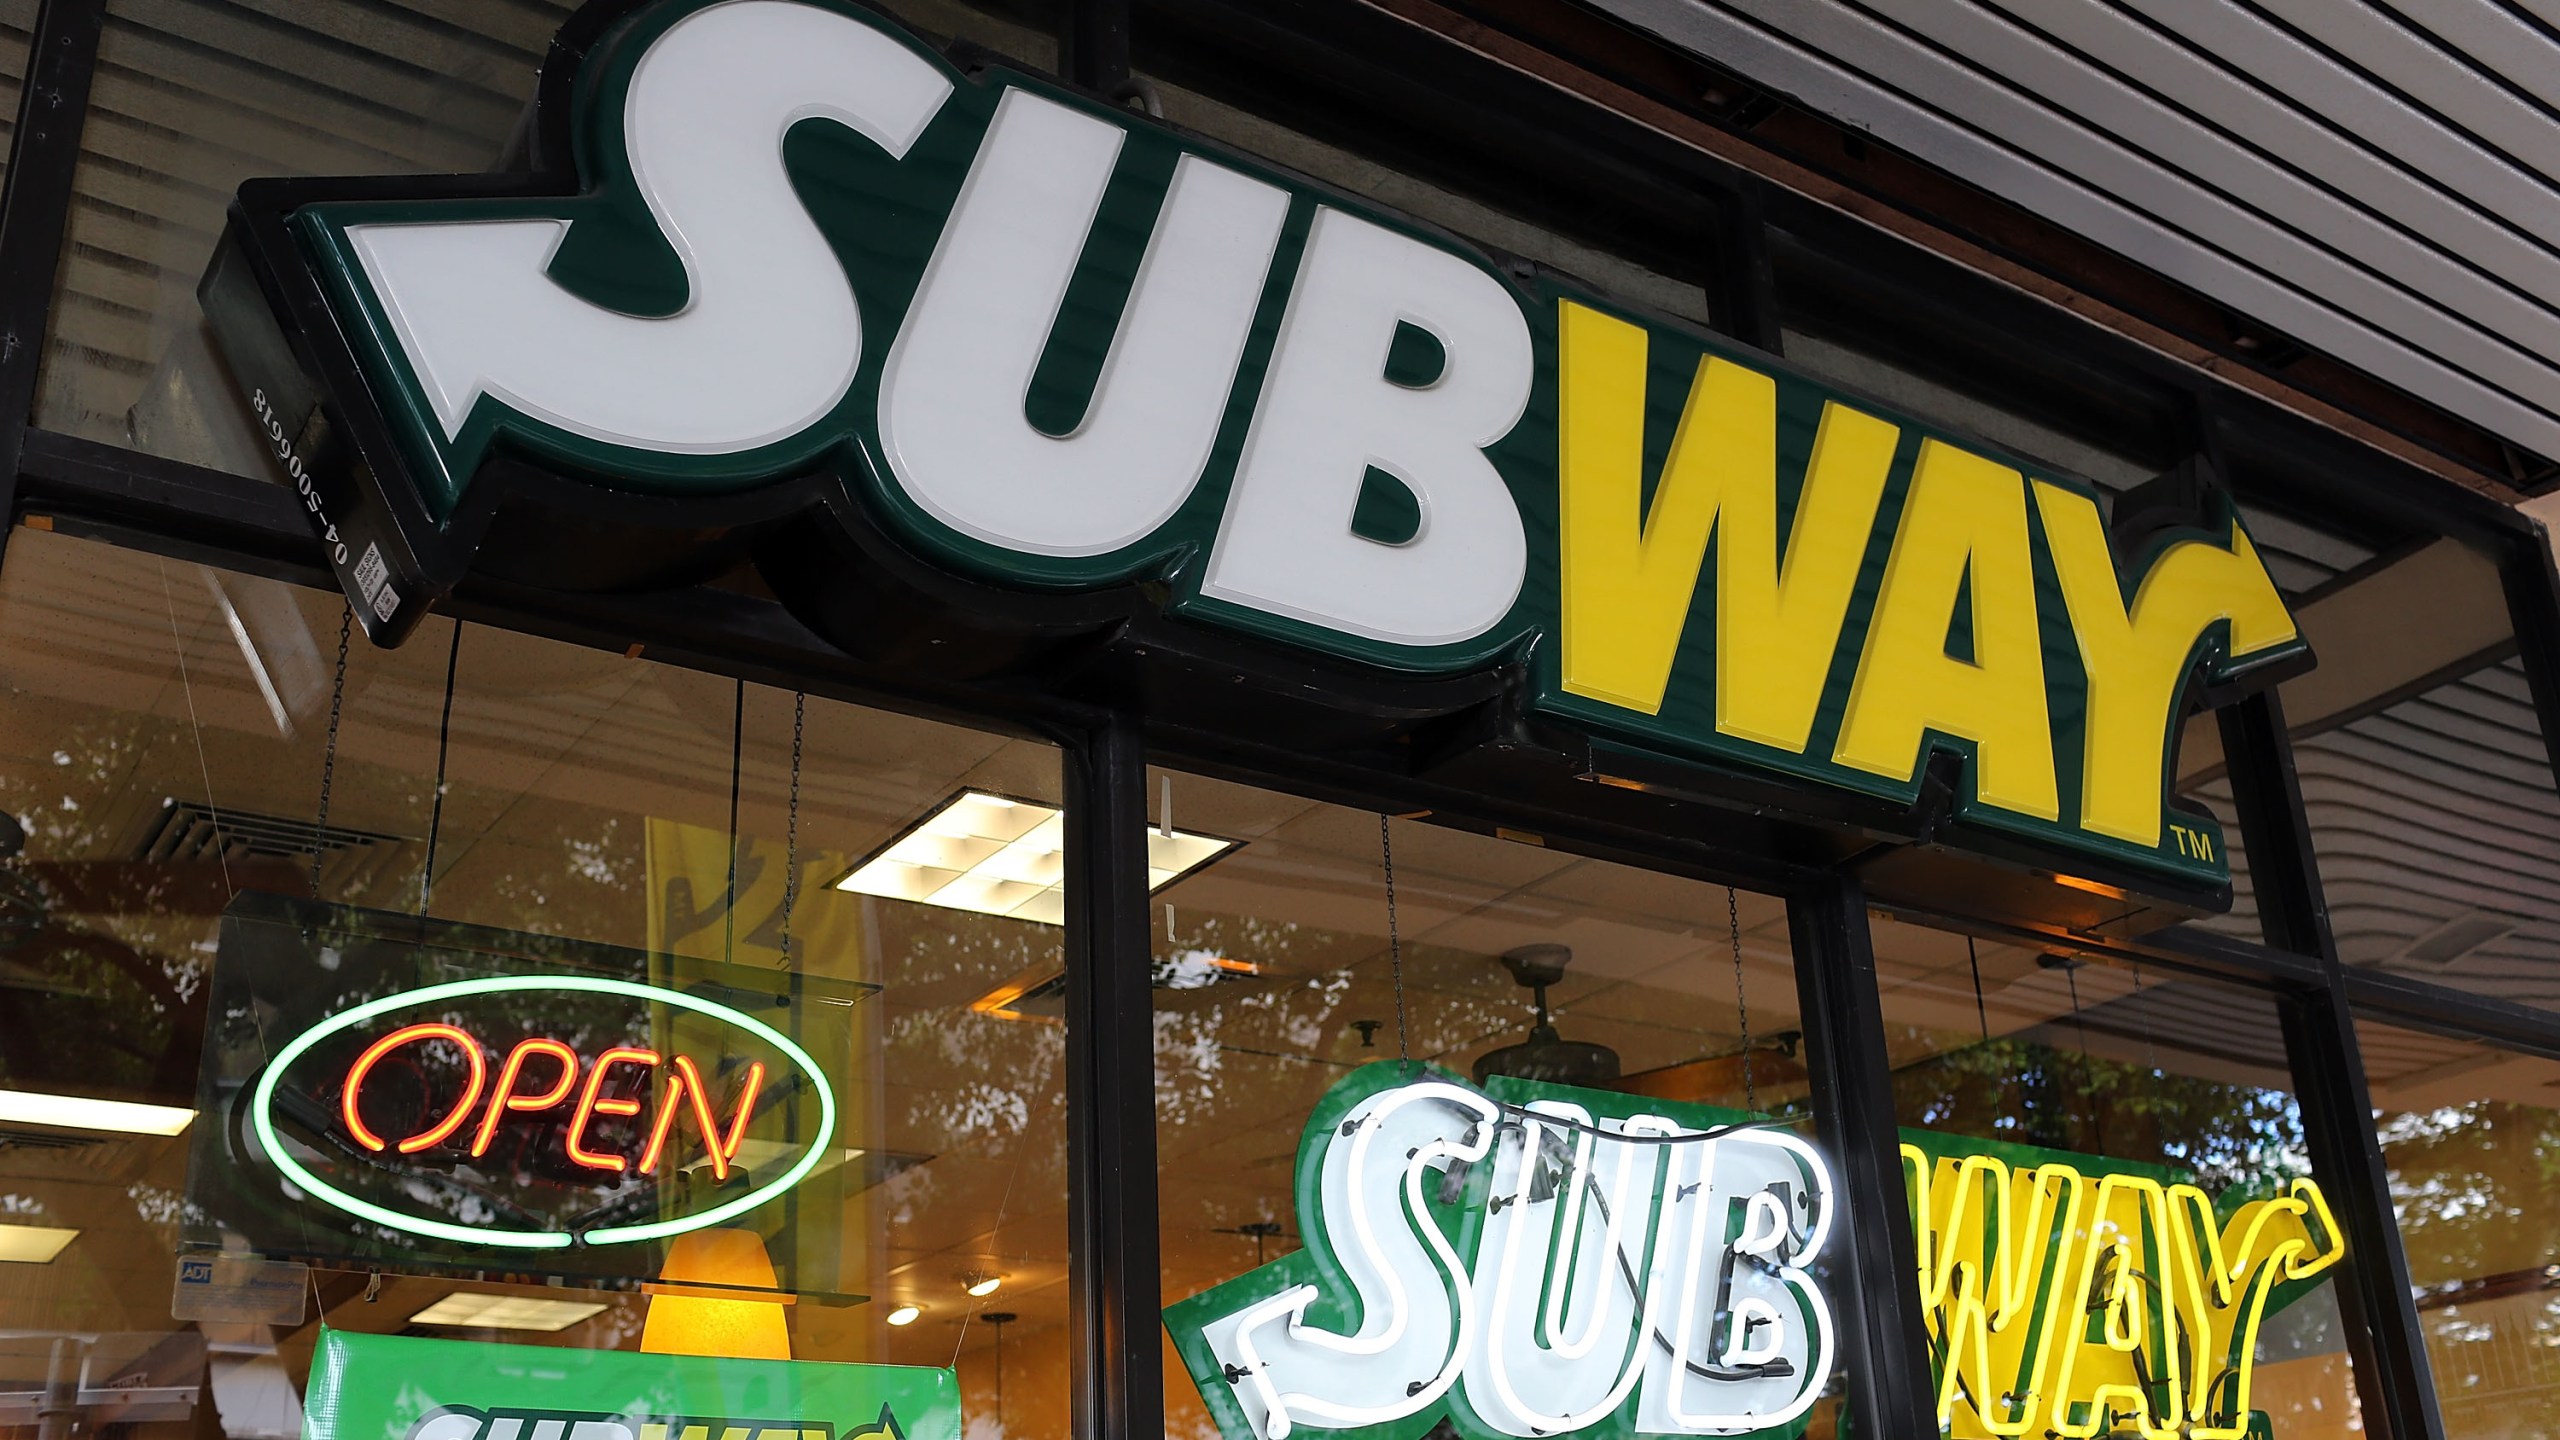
2083 1305
1630 573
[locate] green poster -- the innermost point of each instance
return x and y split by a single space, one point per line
386 1387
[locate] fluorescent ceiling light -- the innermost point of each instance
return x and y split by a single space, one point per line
905 1314
33 1244
983 1284
995 855
504 1312
75 1112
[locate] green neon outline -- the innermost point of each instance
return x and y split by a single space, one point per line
264 1101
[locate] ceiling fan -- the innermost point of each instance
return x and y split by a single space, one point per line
1546 1056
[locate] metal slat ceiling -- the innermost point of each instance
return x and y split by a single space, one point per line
2376 179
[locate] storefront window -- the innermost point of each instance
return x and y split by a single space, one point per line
189 100
1282 989
163 768
2470 1134
2015 1070
2426 777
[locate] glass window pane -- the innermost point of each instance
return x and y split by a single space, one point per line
2469 1133
1277 981
2053 1067
163 748
2426 777
191 99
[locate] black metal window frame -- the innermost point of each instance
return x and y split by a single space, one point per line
81 487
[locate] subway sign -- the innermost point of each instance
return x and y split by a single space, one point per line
1527 1259
778 270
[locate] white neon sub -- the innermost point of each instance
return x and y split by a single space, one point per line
769 336
952 421
1530 1377
1417 1305
1738 1170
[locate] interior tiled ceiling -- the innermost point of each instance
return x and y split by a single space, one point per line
2375 179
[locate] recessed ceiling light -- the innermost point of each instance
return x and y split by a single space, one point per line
905 1314
78 1112
982 1285
33 1244
995 855
465 1309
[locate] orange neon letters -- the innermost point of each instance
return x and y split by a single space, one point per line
374 1052
505 1097
590 1106
685 1090
689 1089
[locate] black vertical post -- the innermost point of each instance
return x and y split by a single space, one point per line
2394 1382
1742 285
1112 1280
2533 604
35 206
1093 44
1874 1254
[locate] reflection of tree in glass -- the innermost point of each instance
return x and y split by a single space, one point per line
2477 1186
568 870
109 955
980 1084
2237 1138
1302 1005
2477 1189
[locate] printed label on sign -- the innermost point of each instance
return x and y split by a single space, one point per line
370 572
240 1288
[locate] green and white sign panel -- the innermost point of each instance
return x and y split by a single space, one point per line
1526 1260
388 1387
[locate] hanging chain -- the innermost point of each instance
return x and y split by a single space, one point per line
737 771
444 742
1741 1003
1395 944
791 825
1981 1012
329 749
2071 977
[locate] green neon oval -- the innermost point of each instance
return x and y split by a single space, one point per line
263 1102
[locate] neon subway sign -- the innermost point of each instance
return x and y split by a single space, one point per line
542 1080
1529 1260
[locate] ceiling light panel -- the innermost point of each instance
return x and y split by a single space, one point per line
467 1310
33 1244
995 855
77 1112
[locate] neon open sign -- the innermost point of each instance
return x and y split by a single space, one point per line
541 1081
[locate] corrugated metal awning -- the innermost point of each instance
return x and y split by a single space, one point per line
2376 179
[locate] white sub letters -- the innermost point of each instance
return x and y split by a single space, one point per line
768 338
951 400
1328 413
